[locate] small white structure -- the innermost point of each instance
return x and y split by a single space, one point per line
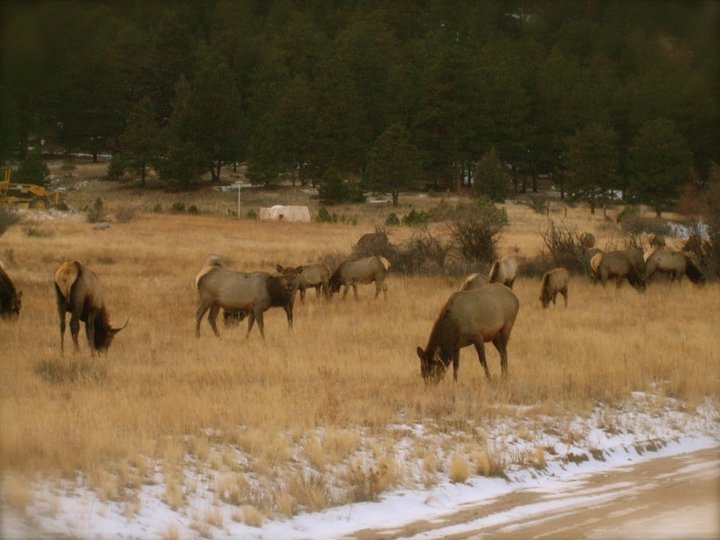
285 213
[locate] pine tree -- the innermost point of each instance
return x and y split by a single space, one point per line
140 142
591 161
393 163
659 161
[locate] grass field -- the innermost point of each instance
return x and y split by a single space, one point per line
323 396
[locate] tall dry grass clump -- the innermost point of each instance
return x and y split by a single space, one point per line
325 392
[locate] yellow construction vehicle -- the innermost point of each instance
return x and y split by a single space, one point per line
30 195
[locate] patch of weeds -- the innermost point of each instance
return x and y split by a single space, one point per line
597 454
192 209
488 464
124 214
178 207
33 231
251 214
71 372
576 458
649 446
309 492
97 214
8 217
459 469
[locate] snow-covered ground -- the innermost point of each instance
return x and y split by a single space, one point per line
610 440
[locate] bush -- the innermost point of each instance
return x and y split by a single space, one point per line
333 189
251 214
8 217
97 213
392 219
476 230
415 217
491 178
124 214
423 254
117 167
32 169
192 209
566 248
325 217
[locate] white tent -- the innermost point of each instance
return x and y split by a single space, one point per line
285 213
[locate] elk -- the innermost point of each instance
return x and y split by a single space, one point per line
367 270
470 317
78 291
252 293
10 297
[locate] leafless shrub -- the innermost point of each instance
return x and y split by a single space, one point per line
566 248
424 253
125 214
97 213
475 230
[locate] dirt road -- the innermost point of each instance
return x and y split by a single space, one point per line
671 497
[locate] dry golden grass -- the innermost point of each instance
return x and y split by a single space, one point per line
347 367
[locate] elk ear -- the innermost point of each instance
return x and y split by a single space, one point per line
298 269
279 268
420 353
19 295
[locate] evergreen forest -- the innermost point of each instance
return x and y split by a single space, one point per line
598 95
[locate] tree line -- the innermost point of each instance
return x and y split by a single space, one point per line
387 95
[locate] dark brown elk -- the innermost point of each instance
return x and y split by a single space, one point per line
367 270
251 293
473 281
470 317
78 291
504 271
315 276
675 264
553 282
10 297
618 265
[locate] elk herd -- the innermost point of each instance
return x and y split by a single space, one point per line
482 310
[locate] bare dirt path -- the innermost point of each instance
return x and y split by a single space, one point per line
670 497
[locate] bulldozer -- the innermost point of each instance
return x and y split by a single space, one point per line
26 195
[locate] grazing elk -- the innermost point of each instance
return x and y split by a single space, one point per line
504 271
470 317
473 281
78 292
367 270
553 282
314 276
618 265
674 263
250 293
10 297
